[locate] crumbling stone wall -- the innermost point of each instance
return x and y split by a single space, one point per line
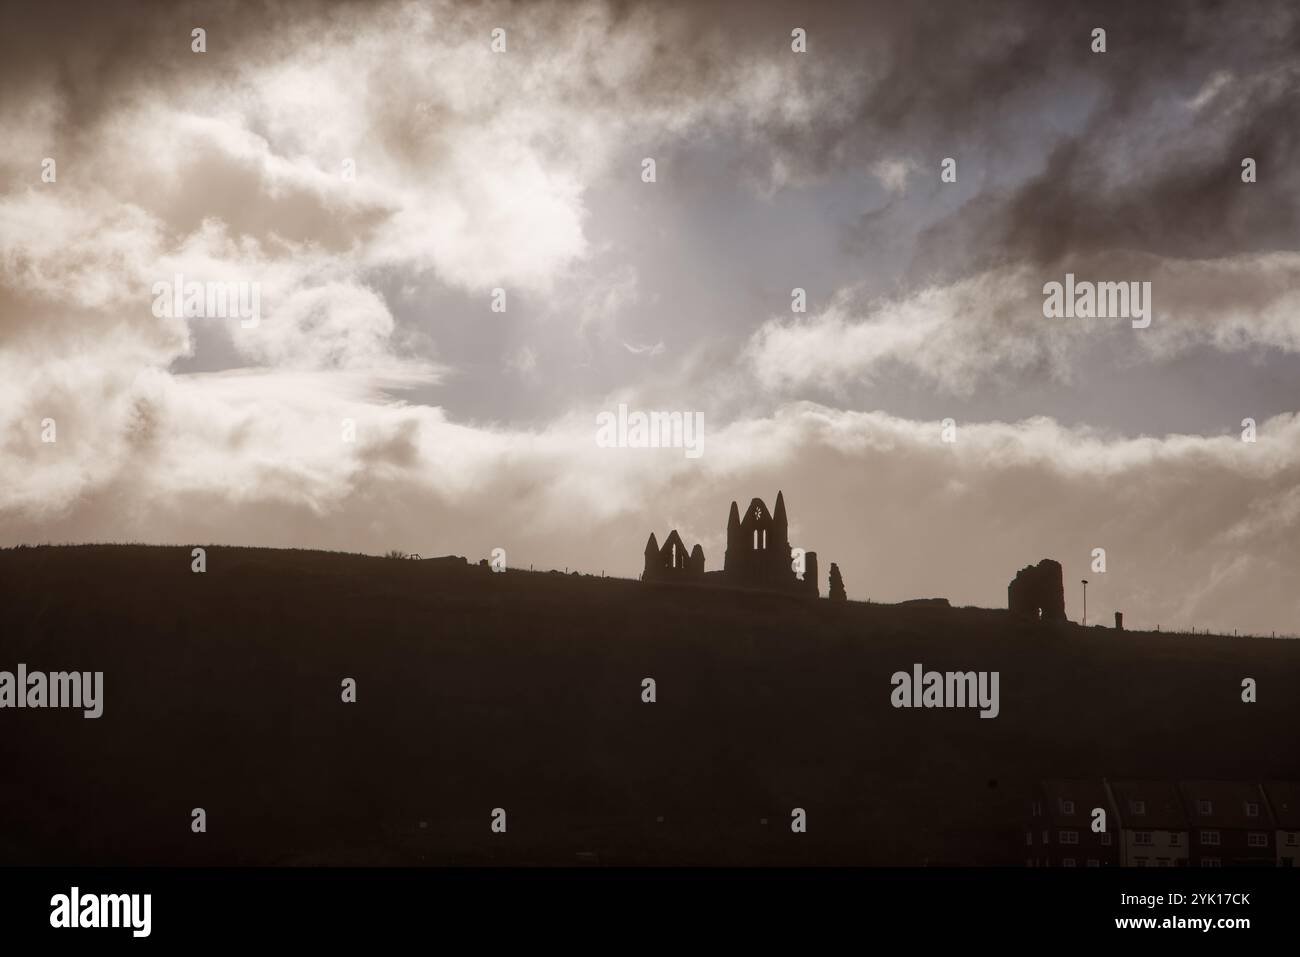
1038 591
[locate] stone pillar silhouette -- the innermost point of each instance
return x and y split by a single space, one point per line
733 556
781 524
837 592
651 559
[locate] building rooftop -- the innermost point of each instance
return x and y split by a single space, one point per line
1149 805
1284 801
1225 804
1069 803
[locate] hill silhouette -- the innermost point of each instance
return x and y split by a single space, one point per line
523 691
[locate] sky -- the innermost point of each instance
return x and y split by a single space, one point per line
461 264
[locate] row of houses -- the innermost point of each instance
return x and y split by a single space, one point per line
1163 824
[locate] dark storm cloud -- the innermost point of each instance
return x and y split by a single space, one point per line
1152 171
998 84
930 79
1192 205
90 52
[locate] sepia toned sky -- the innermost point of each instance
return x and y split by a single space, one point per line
522 171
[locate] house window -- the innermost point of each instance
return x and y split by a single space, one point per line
1105 840
1211 862
1047 837
1093 862
1029 838
1067 862
1210 837
1257 839
1037 808
1142 838
1291 839
1029 862
1205 808
1252 809
1137 807
1175 840
1069 837
1067 807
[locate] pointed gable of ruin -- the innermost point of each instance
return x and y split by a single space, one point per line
667 554
756 516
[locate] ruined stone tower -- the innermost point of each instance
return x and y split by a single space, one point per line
758 554
758 549
672 562
1037 592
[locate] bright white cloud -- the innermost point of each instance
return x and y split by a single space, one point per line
959 336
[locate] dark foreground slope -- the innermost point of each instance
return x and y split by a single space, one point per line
523 691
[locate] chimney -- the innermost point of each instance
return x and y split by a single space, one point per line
1119 621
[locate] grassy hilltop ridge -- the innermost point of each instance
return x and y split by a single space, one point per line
523 691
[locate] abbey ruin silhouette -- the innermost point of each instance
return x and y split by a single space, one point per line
758 554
